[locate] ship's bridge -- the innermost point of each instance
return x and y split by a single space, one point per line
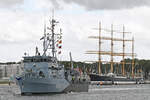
39 59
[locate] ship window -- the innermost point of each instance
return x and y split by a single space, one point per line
49 67
41 74
26 60
41 60
52 67
45 60
37 60
31 60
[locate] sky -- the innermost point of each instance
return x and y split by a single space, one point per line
22 26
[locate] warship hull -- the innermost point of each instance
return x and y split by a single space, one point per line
34 86
96 77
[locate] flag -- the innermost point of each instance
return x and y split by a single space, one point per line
60 41
59 47
56 45
59 52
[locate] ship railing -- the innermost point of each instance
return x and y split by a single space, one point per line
32 75
57 76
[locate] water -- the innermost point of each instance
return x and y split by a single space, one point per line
114 92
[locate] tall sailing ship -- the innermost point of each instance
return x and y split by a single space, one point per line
113 77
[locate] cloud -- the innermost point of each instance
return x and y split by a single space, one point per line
18 26
20 32
106 4
10 3
21 29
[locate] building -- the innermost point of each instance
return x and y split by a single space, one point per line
9 69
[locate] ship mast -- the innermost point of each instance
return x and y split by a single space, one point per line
49 41
111 49
123 56
133 63
99 56
53 44
112 53
44 42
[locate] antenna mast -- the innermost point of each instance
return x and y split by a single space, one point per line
44 42
71 60
53 44
49 39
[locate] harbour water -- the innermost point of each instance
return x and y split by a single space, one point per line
96 92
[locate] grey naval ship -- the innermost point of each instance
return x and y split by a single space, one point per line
44 73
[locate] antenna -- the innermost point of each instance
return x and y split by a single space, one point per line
44 26
52 13
44 37
71 60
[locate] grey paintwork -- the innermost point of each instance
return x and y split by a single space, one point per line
42 77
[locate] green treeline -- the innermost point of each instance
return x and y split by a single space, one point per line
142 67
